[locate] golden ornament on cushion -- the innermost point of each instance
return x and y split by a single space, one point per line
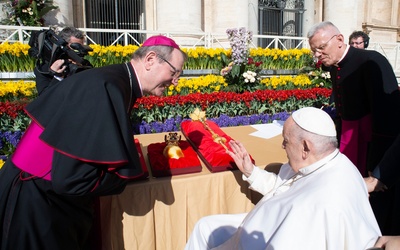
172 150
200 116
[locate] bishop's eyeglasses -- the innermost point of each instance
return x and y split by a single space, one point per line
175 73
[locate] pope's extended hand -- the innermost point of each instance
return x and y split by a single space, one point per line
241 157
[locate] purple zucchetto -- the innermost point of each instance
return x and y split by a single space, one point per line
315 121
160 41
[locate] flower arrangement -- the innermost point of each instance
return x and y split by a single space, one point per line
14 57
152 108
164 114
250 76
215 83
27 12
301 81
282 59
107 55
17 90
173 124
203 84
15 95
239 40
13 118
265 99
241 72
205 58
317 75
8 142
13 122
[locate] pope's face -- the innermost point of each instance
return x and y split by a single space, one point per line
326 47
292 145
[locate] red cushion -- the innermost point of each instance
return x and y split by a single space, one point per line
163 166
145 173
213 154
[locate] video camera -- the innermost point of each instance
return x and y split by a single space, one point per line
48 47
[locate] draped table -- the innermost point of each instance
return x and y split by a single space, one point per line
160 213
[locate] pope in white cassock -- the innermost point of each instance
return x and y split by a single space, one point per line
318 200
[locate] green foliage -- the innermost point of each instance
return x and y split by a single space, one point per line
26 12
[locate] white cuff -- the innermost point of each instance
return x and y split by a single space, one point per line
253 175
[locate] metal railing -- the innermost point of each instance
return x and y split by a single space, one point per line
195 39
185 39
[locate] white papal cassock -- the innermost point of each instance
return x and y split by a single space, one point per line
325 206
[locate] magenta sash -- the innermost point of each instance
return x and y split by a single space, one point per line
354 141
32 155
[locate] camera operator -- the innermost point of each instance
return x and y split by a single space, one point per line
58 70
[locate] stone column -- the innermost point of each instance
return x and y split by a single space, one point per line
308 16
229 14
381 21
179 15
63 16
253 17
345 17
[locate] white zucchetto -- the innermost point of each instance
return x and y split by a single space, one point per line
315 121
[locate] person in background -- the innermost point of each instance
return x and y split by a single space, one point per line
359 39
78 147
45 75
318 200
367 100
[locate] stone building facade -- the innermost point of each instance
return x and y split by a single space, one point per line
380 19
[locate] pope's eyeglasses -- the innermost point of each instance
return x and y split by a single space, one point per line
175 73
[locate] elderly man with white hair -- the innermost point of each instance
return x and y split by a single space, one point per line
318 200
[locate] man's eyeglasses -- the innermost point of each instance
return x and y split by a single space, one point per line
176 73
356 43
323 46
